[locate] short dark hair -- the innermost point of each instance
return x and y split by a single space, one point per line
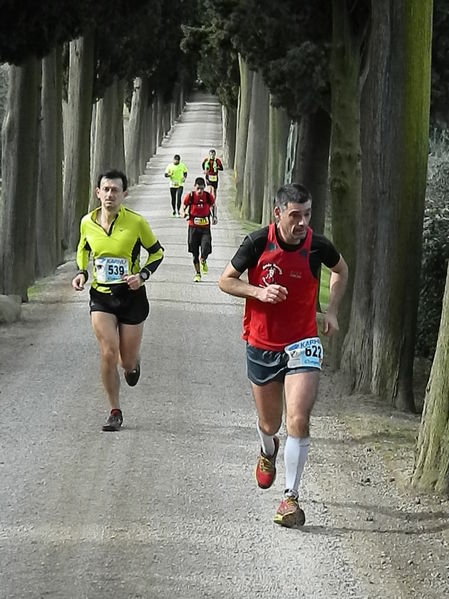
176 157
212 150
200 181
292 192
113 174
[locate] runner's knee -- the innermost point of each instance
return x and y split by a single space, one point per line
109 355
269 427
298 425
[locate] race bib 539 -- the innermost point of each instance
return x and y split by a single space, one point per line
111 270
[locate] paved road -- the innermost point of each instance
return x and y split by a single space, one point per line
168 507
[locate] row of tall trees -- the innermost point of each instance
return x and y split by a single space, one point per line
337 95
72 69
333 94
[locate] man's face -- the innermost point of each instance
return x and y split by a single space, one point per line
293 221
175 160
199 189
211 155
110 193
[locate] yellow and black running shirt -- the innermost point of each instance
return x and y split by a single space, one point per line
119 249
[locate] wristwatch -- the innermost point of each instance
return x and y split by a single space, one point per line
144 274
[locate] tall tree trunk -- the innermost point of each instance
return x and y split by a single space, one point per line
312 162
135 132
380 345
108 146
292 148
257 153
431 471
49 195
148 145
229 117
77 149
159 106
403 168
278 128
345 169
243 111
20 146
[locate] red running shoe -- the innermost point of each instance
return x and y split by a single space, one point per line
266 467
289 514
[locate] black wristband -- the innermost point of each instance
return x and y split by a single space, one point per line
85 273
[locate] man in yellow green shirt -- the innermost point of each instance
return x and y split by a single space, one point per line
112 236
176 171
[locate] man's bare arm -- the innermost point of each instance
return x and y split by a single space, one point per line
231 283
337 287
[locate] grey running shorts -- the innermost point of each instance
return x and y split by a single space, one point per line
265 366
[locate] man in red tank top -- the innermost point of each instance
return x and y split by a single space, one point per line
284 353
199 208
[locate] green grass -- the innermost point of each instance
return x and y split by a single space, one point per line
324 287
247 226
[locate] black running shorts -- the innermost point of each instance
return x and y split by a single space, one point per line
130 307
200 237
213 184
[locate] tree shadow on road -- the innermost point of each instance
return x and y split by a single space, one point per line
411 523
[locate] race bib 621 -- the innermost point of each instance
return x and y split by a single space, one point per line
307 353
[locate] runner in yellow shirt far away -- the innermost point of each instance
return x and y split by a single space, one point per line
176 171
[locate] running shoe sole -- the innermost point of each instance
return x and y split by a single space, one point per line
295 520
132 377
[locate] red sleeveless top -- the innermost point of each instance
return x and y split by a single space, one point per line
273 326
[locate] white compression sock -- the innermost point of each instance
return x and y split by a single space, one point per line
266 442
295 457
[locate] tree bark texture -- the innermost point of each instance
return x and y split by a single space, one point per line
243 111
108 146
49 197
403 167
431 471
278 129
395 144
148 139
345 167
77 150
292 147
150 127
229 118
257 151
20 148
311 166
134 132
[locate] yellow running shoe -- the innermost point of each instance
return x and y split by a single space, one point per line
289 514
197 278
204 267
